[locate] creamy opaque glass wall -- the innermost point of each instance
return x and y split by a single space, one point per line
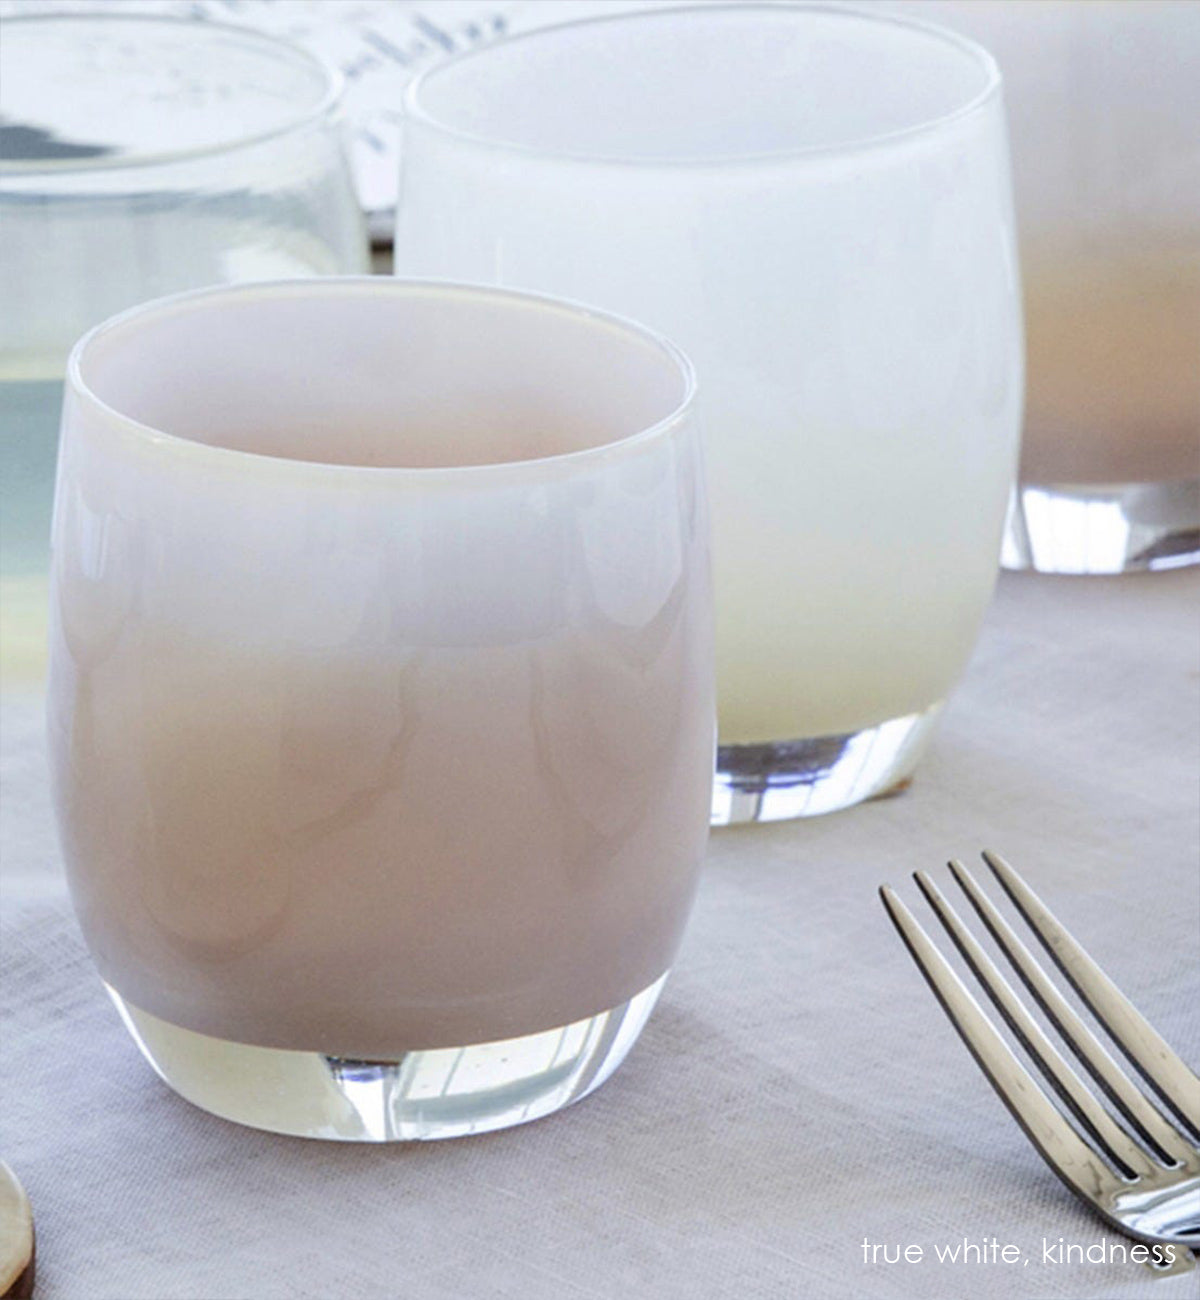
816 204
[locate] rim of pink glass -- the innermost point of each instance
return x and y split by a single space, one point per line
991 90
150 438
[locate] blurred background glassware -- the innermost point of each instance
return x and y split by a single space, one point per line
1104 101
381 695
140 156
816 204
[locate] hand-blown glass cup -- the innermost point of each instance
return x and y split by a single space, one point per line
381 695
816 204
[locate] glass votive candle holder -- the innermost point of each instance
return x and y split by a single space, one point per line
815 202
381 695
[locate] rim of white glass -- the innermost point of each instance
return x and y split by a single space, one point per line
148 313
322 106
413 107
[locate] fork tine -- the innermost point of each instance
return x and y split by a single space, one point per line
1112 1139
1163 1070
1086 1046
1060 1146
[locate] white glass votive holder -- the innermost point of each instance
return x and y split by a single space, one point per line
381 695
815 202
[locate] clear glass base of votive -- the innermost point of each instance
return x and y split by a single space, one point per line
822 774
437 1093
1103 528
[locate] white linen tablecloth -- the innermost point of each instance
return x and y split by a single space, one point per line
797 1091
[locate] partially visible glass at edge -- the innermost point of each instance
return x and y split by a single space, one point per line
140 156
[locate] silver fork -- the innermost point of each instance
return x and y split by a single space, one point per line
1143 1174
